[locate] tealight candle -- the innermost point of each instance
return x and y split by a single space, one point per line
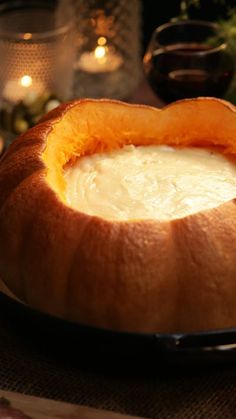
102 59
15 90
108 55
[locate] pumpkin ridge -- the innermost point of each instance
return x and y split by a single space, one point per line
146 276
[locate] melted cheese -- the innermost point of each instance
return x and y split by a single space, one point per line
150 182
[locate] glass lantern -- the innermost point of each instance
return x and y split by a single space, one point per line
108 60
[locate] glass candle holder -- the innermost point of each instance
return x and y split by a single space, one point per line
108 60
37 52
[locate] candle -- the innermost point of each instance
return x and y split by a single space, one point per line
15 90
102 59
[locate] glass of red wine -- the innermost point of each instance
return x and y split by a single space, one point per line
188 59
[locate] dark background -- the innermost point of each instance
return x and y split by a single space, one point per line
156 12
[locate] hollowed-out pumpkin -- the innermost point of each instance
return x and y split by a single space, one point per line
144 275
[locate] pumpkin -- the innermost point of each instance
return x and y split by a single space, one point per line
177 275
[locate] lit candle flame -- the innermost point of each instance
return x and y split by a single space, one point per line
26 81
100 52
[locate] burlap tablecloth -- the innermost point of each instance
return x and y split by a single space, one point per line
30 363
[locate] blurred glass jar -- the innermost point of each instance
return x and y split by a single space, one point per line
37 49
108 60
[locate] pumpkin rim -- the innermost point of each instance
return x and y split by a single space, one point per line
67 107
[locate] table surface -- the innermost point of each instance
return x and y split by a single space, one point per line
30 364
41 408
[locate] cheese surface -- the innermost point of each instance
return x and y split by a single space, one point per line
150 182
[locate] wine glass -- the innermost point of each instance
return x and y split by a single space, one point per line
188 59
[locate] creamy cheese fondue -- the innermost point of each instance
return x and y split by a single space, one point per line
150 182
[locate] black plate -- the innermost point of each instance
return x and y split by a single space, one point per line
62 336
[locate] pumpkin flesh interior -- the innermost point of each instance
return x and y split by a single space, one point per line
89 128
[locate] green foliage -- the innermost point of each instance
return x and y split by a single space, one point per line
185 5
228 27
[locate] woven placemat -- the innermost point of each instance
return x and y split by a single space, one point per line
33 366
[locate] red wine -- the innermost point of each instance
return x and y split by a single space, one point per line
189 70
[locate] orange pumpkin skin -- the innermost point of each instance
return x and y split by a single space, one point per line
139 276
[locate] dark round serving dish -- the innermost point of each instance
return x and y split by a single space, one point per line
68 338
